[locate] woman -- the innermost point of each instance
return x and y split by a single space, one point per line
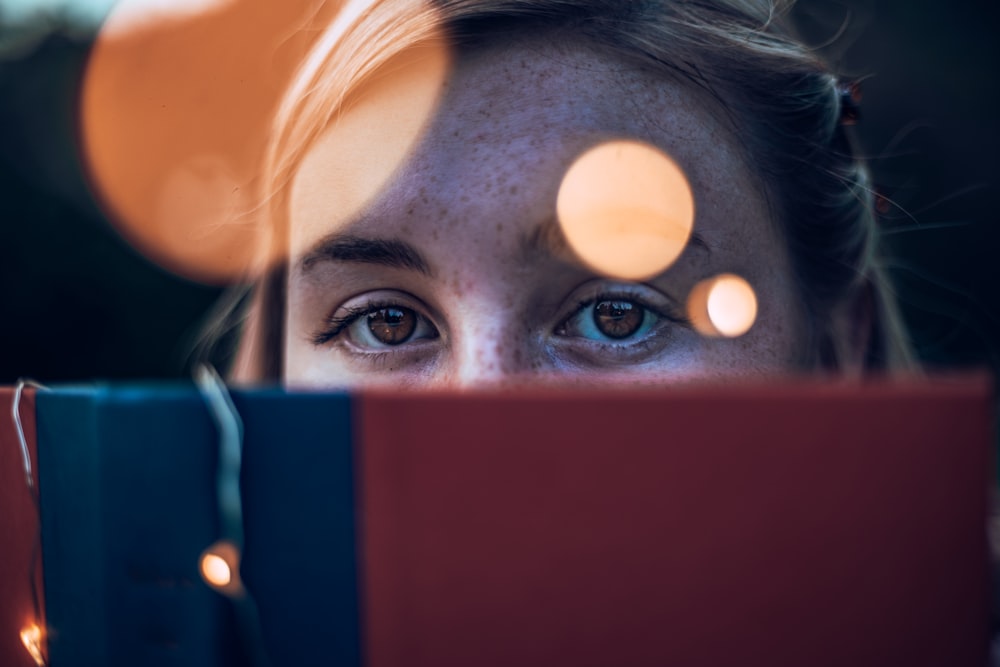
435 257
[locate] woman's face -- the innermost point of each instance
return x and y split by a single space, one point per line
456 274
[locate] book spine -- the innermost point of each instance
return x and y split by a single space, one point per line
301 521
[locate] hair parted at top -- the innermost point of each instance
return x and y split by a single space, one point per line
782 100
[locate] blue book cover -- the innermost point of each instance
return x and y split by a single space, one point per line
129 504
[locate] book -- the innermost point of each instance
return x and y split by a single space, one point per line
780 524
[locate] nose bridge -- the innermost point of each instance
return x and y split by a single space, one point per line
489 350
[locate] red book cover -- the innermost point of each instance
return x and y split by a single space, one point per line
20 543
798 524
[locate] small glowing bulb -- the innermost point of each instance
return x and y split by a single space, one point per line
723 306
220 568
216 570
31 637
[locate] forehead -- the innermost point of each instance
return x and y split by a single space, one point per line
572 93
509 121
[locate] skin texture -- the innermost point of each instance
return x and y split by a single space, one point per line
500 300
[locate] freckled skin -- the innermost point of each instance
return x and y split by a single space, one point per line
486 174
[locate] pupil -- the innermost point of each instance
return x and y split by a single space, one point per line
392 326
618 319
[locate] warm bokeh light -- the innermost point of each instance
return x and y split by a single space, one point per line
220 567
175 111
626 209
133 15
176 114
31 637
351 163
723 306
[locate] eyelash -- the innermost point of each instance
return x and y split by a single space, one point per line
337 325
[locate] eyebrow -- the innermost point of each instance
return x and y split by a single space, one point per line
546 238
382 252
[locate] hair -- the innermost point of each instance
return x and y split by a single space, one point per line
779 94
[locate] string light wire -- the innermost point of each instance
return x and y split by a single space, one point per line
32 636
229 546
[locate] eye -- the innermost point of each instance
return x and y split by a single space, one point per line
392 326
609 318
619 323
376 326
618 319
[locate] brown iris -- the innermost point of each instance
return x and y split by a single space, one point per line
392 326
617 319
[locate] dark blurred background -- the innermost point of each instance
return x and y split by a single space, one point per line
77 303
